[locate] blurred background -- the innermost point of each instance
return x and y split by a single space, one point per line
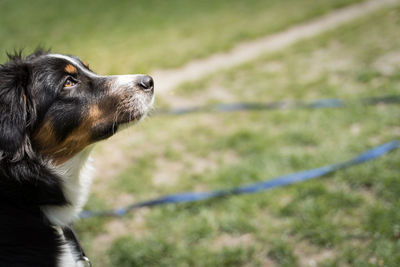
350 218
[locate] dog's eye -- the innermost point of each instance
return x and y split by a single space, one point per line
69 83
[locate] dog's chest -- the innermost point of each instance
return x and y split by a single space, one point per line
77 178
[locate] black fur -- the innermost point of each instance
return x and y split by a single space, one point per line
26 237
14 78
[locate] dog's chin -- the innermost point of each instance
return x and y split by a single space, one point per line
141 114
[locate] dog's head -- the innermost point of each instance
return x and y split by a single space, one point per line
54 105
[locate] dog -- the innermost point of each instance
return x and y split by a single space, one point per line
53 109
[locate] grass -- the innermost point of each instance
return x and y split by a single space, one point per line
139 36
350 218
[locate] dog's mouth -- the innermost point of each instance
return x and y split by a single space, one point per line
136 97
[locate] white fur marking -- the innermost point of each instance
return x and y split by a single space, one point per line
77 178
74 62
68 255
121 82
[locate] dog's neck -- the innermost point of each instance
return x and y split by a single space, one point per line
76 176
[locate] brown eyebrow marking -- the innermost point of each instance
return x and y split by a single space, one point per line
70 69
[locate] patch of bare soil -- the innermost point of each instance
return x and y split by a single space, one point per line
310 256
167 172
388 64
227 240
116 228
214 92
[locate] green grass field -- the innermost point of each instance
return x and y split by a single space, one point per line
350 218
139 36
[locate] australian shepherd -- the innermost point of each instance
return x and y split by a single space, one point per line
53 108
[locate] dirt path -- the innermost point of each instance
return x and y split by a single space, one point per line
167 80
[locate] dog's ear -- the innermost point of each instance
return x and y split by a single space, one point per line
14 77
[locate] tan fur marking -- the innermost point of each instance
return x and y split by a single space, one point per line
70 69
45 135
85 64
94 113
59 152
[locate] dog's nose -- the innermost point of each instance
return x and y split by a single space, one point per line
146 83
